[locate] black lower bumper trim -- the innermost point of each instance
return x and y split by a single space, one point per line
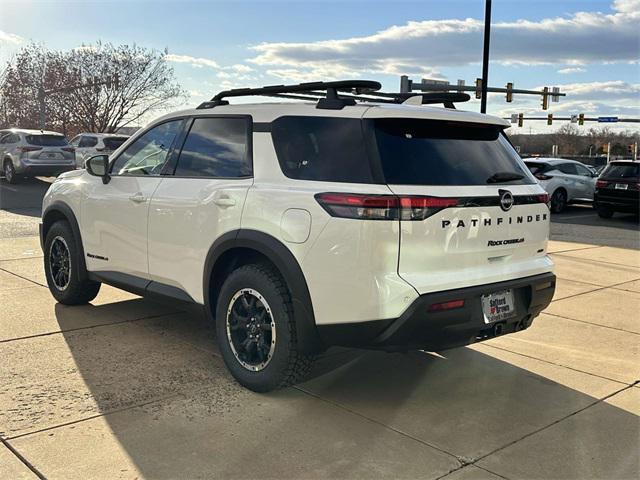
418 328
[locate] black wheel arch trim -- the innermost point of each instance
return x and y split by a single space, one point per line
276 252
66 211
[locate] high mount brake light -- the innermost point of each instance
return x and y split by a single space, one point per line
382 207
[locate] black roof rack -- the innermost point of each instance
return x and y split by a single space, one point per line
336 95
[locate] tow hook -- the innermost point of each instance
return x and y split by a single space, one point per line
497 329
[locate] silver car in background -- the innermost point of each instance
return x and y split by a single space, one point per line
566 181
30 153
90 144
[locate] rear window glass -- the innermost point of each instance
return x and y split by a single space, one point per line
322 149
47 140
617 170
535 167
112 143
428 152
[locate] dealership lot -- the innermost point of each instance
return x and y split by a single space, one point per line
126 387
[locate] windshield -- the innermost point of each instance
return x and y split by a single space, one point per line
47 140
430 152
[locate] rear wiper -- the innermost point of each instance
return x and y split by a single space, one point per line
500 177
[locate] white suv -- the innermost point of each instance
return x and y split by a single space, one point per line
89 144
348 220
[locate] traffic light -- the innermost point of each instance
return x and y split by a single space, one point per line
545 98
520 119
581 119
509 92
630 149
478 88
550 119
605 148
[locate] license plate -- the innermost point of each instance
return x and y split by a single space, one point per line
498 306
621 186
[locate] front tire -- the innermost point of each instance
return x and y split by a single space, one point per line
9 172
256 330
67 283
558 201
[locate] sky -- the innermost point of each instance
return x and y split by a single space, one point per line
590 49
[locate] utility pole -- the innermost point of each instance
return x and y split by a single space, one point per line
485 55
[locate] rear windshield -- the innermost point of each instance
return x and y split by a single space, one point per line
428 152
618 170
536 167
47 140
322 149
112 143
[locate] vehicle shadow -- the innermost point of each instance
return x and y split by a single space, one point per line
175 412
586 215
25 197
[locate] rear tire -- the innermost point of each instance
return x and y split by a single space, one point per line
67 283
558 201
604 212
256 330
9 172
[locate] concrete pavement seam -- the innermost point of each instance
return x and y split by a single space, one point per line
20 457
595 284
590 323
20 258
588 260
575 249
596 402
557 364
461 460
24 278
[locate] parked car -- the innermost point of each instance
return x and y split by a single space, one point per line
90 144
566 181
29 153
298 226
618 188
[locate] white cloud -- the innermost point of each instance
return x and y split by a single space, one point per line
197 62
10 38
569 70
421 47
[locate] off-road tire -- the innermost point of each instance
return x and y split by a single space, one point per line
9 172
79 289
558 201
604 212
287 365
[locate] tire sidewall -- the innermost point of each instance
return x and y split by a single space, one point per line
62 229
8 167
273 374
554 198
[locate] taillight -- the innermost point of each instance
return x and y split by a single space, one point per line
439 307
543 198
29 149
69 149
601 184
542 176
382 207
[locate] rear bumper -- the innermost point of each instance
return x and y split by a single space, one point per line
32 170
623 201
418 328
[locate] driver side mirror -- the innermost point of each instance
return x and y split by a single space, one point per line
98 166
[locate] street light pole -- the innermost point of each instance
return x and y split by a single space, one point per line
485 55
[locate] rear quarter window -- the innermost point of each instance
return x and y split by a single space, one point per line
617 170
322 149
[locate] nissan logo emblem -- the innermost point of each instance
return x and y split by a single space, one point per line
506 200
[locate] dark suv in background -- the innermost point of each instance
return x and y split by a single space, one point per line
618 188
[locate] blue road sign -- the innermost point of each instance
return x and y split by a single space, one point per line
607 119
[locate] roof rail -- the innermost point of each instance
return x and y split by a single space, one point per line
336 95
332 100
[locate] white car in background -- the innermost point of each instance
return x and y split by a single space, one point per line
90 144
566 181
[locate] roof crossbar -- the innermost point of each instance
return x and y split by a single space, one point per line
336 95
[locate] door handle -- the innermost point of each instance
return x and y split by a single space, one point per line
224 201
138 198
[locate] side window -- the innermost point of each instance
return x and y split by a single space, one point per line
3 138
583 171
147 154
88 142
215 147
568 168
76 141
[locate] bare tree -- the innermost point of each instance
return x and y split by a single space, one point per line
96 88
